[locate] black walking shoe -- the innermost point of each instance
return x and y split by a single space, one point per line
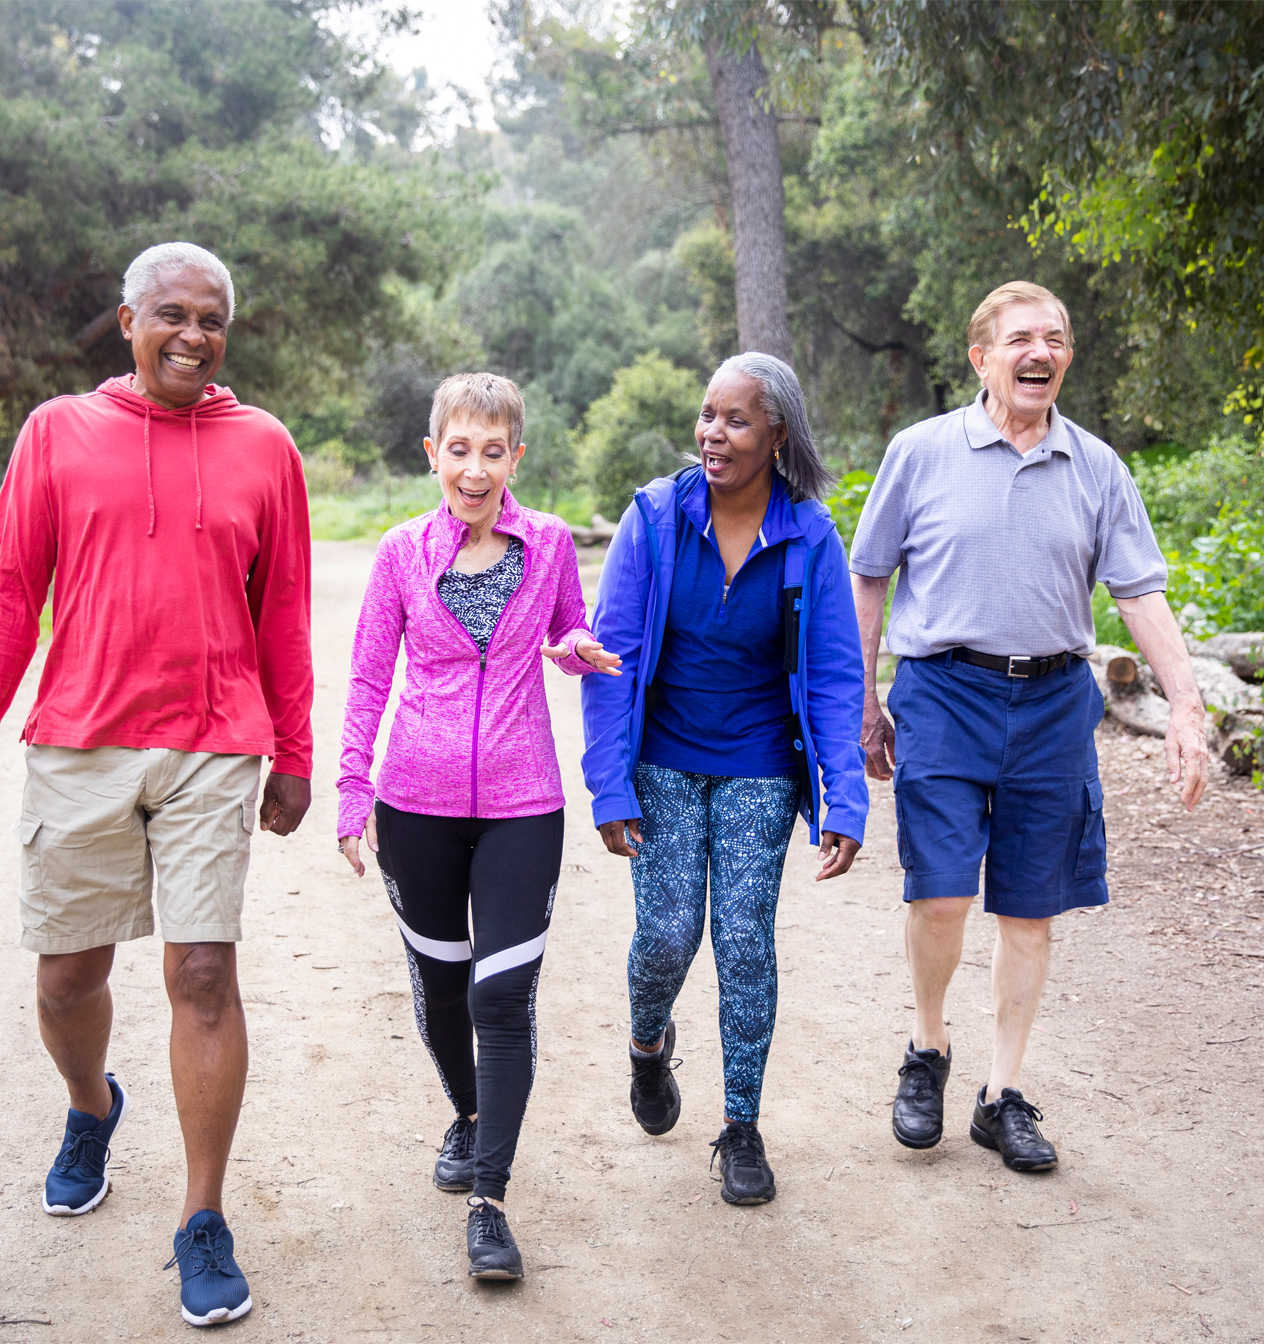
917 1114
493 1252
655 1096
747 1176
454 1168
1008 1124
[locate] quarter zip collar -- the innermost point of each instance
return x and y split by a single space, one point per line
780 523
511 521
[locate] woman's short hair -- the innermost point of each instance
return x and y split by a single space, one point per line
782 400
484 396
141 277
982 328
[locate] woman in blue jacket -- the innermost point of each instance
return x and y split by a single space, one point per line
726 593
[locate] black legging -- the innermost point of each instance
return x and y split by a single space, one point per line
505 873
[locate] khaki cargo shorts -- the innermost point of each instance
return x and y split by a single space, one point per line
98 825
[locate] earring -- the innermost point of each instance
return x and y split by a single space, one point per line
433 472
513 478
776 455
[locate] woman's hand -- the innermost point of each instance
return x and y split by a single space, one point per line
615 840
591 652
350 845
837 853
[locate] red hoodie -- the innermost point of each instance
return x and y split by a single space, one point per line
182 607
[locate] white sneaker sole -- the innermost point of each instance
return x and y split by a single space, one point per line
219 1316
64 1210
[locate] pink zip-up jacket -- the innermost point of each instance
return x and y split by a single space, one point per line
472 736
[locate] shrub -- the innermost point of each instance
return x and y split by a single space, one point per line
640 429
1219 585
1184 495
548 466
847 501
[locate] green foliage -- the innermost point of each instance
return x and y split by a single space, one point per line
126 124
639 430
548 467
1107 620
366 513
1220 585
846 502
1185 494
707 256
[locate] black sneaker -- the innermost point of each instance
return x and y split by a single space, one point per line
747 1176
1008 1124
454 1168
655 1096
917 1114
493 1252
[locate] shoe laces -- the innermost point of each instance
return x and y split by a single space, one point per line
81 1150
653 1072
1022 1114
204 1252
458 1142
921 1075
491 1227
741 1144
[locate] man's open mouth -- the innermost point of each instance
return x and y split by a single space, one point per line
1037 378
185 363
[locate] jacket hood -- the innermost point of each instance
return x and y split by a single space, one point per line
811 515
216 402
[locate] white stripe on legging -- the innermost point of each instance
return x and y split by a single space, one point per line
432 947
509 958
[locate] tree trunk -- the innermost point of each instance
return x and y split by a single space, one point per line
751 147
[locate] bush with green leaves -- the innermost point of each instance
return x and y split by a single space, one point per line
847 501
1184 495
547 468
642 428
1219 584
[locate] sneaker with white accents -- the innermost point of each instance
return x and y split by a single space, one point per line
79 1178
212 1289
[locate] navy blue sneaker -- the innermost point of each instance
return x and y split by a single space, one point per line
212 1288
79 1178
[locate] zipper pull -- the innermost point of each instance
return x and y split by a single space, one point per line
482 661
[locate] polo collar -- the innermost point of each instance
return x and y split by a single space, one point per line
779 522
982 433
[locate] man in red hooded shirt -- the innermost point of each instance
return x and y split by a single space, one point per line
175 521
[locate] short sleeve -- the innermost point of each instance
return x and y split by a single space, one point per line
1129 563
877 550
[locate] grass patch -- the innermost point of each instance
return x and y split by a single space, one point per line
364 514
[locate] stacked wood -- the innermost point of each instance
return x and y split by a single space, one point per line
1235 710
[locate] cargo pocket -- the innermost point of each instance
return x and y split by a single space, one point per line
1092 859
248 817
33 901
905 850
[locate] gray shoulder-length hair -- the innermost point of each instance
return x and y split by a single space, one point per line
782 399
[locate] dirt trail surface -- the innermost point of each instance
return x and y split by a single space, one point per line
1141 1061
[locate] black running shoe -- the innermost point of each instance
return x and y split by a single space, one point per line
655 1096
493 1252
1008 1124
747 1176
917 1114
454 1169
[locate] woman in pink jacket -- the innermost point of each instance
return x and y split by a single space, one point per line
466 810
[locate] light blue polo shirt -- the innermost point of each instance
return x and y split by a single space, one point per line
998 550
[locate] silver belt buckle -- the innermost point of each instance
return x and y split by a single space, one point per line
1021 676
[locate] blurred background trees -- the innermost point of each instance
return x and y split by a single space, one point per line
607 244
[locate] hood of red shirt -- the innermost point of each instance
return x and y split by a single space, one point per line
218 401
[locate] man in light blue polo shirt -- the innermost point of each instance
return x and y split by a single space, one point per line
1001 518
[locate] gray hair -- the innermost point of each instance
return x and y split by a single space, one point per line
142 275
782 400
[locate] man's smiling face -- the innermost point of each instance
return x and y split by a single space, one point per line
179 336
1024 366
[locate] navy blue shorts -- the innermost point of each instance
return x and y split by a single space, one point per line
993 766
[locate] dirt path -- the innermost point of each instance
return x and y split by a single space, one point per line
1141 1062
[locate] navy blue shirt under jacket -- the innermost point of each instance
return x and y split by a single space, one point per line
721 694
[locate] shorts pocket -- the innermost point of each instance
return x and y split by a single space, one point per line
904 848
27 827
248 816
34 902
1091 862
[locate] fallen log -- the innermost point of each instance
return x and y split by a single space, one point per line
1129 689
1244 652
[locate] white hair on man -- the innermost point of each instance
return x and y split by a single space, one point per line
141 276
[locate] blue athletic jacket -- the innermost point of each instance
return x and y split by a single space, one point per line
822 657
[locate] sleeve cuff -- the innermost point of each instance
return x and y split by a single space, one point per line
573 665
353 815
842 822
301 766
1127 590
867 569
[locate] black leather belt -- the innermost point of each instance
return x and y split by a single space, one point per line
1016 666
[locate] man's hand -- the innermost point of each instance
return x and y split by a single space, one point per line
286 799
591 652
877 741
837 853
616 842
350 845
1186 742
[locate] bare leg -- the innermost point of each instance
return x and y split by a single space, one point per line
1019 965
209 1058
76 1012
933 932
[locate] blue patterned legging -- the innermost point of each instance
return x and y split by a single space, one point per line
742 827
